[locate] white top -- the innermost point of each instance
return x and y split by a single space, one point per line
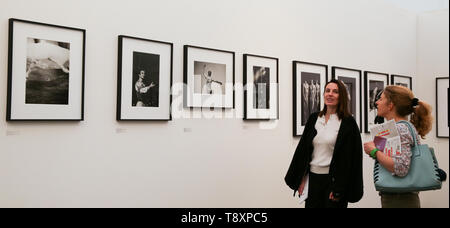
324 144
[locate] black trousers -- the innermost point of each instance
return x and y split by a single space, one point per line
319 193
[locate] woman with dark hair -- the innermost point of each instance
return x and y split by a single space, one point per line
330 152
397 103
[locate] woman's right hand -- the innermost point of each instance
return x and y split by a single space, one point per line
302 186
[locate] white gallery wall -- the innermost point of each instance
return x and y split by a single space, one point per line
432 62
201 159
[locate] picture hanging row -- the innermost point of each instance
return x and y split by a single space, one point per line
309 80
46 75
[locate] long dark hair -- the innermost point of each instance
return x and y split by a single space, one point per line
343 109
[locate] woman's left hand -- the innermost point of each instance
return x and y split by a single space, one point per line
368 147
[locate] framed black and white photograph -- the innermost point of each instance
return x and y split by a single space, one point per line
260 87
309 81
374 84
45 72
442 121
208 77
352 81
401 80
144 79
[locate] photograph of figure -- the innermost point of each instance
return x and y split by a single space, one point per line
402 84
375 90
401 80
442 107
261 87
350 85
47 72
310 92
145 92
209 78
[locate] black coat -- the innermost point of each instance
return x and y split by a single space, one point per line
346 164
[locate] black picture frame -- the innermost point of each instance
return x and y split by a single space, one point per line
351 77
401 80
208 77
44 61
261 102
302 92
374 84
154 59
442 112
